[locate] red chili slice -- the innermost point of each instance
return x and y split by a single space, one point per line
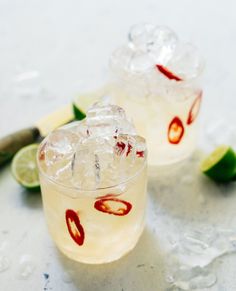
168 73
120 146
194 110
175 131
74 226
103 206
140 154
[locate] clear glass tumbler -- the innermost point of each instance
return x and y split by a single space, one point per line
93 222
156 79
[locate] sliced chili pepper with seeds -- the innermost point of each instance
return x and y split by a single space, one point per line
74 226
175 130
120 147
140 154
168 73
106 205
194 110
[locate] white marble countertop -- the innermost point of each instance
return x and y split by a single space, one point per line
48 51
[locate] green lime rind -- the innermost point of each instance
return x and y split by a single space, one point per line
78 114
33 189
220 165
234 177
4 157
24 168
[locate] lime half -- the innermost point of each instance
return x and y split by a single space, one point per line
24 167
220 165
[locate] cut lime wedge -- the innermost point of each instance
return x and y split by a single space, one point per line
220 165
24 167
78 113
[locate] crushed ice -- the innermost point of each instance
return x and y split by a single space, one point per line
192 255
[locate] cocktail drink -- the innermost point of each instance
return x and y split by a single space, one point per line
156 80
93 182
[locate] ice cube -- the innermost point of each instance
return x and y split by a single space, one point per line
200 248
107 120
105 161
103 110
140 62
193 278
83 168
26 267
130 64
57 152
120 61
129 151
125 146
125 155
186 62
141 35
92 162
163 47
153 45
60 143
160 41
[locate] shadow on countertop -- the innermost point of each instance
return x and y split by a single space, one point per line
141 269
184 193
31 199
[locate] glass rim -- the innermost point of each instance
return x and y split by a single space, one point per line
59 184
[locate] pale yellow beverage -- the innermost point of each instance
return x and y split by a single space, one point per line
156 80
169 125
94 214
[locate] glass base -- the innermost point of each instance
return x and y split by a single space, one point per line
111 257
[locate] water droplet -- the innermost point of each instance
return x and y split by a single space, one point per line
4 263
169 278
26 267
